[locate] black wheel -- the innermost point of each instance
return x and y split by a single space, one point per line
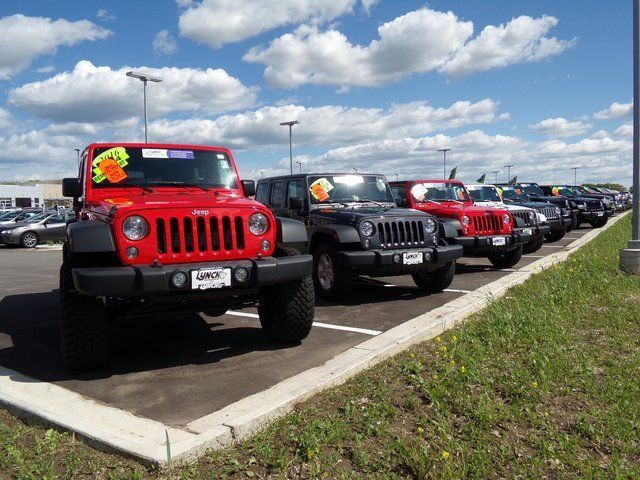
599 222
286 311
533 245
555 236
83 325
574 223
29 240
330 279
435 280
507 259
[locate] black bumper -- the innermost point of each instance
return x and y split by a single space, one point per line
586 216
483 245
382 263
558 224
137 281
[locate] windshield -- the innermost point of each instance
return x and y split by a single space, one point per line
512 193
38 218
8 216
564 191
349 188
423 192
120 166
531 189
484 194
588 190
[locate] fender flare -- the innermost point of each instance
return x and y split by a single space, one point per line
90 236
449 228
290 231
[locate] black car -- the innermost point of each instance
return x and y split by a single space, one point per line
513 194
592 209
354 228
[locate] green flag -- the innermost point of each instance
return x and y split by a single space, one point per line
481 179
452 175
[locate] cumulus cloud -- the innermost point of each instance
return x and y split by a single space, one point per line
625 130
328 125
105 15
521 40
561 127
219 22
96 94
419 41
615 110
165 43
23 38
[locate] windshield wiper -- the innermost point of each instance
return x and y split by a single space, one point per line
181 184
139 185
364 200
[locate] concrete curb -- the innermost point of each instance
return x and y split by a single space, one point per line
142 439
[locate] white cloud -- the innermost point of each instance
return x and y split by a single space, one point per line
5 118
218 22
561 127
165 43
23 38
615 110
522 40
105 15
328 125
367 4
47 69
419 41
625 130
99 94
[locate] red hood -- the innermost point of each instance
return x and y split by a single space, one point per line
455 207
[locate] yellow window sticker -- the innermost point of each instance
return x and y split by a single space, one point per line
320 189
109 165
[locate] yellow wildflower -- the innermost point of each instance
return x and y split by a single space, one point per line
420 430
453 362
435 376
443 348
534 384
454 339
412 355
438 339
463 369
445 454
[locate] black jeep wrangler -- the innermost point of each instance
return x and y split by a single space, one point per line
591 209
354 228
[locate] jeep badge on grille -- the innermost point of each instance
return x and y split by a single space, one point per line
200 213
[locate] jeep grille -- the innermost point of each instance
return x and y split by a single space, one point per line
487 224
399 234
550 212
199 234
524 216
594 204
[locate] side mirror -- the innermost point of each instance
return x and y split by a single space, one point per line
400 202
71 188
296 203
249 188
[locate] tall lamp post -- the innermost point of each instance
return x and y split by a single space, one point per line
575 176
630 256
508 167
300 165
496 172
444 161
290 125
396 176
355 169
78 150
261 174
144 78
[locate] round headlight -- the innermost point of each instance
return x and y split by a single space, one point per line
135 227
541 217
532 215
258 223
465 220
506 218
367 228
430 225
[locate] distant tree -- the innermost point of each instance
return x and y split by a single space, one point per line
612 186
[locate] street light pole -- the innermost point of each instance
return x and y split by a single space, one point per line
355 169
508 167
575 177
290 124
144 78
78 150
630 256
496 172
396 176
444 161
300 165
261 174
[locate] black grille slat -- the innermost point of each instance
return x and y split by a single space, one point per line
161 236
239 233
201 228
215 234
187 226
174 229
400 234
227 233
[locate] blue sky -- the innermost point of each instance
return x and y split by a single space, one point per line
377 85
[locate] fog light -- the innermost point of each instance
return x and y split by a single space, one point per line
265 245
241 274
428 256
367 243
179 279
131 253
397 258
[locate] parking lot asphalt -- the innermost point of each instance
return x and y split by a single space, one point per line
178 369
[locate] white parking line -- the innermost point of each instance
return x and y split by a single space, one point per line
366 331
455 290
528 255
551 246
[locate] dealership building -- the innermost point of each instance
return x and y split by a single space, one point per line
31 195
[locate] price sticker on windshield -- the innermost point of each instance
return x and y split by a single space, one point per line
110 165
320 189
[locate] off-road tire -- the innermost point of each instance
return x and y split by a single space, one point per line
342 278
83 325
286 310
601 222
436 280
508 259
574 223
533 245
27 239
555 236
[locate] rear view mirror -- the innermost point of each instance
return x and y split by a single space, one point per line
71 188
249 188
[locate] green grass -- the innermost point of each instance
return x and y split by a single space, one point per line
544 382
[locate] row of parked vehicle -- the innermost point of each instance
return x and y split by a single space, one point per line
161 228
28 227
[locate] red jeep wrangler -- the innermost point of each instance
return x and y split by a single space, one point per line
482 231
167 228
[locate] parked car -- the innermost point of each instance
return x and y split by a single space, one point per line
481 231
17 216
40 228
168 228
513 194
535 224
607 199
354 228
591 208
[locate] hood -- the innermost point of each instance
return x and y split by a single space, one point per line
511 208
353 215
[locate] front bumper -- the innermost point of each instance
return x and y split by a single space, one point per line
140 281
382 263
534 232
589 215
558 224
483 245
9 239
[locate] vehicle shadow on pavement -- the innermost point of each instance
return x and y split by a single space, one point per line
369 290
29 340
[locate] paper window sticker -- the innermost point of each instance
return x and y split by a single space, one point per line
418 191
380 184
112 170
155 153
518 191
119 154
320 189
460 193
555 191
181 154
220 156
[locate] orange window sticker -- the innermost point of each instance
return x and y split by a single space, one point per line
113 160
112 170
320 189
555 191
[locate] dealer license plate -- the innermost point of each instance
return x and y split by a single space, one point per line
208 278
497 241
412 258
527 231
600 214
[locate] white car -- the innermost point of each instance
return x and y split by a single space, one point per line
530 221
